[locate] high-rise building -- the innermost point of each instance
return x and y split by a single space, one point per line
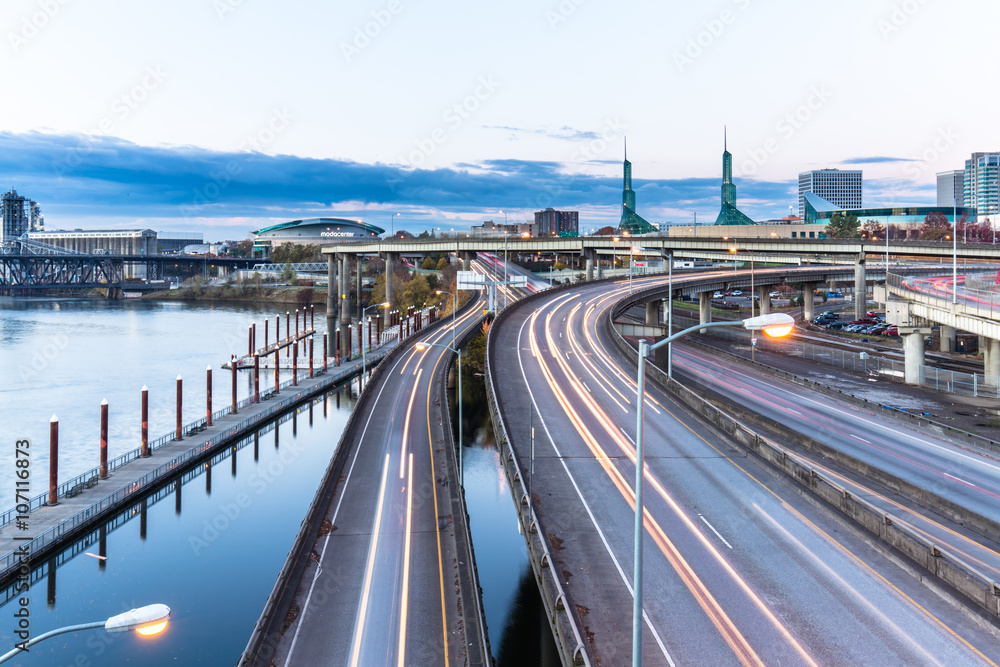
16 216
840 187
551 222
729 214
36 221
981 184
951 188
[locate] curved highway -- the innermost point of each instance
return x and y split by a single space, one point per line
740 568
389 579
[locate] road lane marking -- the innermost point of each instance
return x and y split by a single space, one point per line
401 661
406 427
959 479
359 626
715 531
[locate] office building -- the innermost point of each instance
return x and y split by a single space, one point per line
840 187
551 222
951 188
981 184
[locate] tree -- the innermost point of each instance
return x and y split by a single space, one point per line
428 264
558 266
843 226
606 231
442 264
872 229
287 273
935 228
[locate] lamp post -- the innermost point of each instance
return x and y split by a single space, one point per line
148 620
954 253
614 251
773 324
423 346
454 311
364 347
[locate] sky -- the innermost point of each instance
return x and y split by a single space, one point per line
225 116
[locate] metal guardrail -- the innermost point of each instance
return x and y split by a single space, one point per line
973 302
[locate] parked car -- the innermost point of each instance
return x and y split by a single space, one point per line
737 292
717 295
834 295
874 314
892 331
863 320
835 326
774 295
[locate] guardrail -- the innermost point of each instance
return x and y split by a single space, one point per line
964 578
564 625
972 302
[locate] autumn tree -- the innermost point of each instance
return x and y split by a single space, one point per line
935 228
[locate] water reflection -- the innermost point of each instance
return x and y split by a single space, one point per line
212 557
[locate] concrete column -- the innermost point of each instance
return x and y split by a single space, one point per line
947 339
590 265
991 363
764 300
652 313
808 301
345 306
600 267
331 293
704 308
388 284
913 360
859 288
358 288
467 261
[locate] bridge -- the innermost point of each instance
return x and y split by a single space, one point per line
745 561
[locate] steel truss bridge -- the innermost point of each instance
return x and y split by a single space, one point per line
29 266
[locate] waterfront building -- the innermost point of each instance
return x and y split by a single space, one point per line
313 231
841 187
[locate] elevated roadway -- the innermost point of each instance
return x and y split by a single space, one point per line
389 578
740 567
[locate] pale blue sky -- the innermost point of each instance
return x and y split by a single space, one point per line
150 113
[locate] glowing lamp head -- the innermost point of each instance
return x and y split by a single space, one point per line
775 325
147 621
421 346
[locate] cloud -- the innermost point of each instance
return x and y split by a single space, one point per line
565 132
77 177
876 159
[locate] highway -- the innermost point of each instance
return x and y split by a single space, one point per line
389 582
740 567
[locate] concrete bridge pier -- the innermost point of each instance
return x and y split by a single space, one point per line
764 300
389 265
589 256
913 359
947 338
467 258
331 293
991 358
704 308
808 301
357 292
653 313
600 267
345 305
860 301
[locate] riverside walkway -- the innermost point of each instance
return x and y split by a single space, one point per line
87 499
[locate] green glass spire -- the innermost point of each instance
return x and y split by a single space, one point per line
631 221
729 215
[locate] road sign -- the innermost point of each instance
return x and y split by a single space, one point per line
470 280
517 281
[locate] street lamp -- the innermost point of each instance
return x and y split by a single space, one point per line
364 364
148 620
423 346
773 324
614 252
454 312
392 225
